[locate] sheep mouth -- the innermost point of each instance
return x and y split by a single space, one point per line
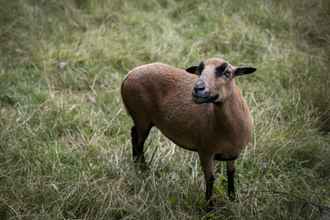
204 99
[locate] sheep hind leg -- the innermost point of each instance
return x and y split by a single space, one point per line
139 135
231 182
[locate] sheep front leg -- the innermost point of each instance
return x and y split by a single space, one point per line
230 176
208 168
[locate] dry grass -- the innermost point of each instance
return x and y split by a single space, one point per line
64 140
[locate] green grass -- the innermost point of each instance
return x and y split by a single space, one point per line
65 149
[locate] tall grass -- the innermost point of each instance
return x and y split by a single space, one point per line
65 148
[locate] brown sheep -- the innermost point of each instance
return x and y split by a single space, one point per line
203 112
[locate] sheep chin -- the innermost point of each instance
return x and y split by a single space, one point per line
206 99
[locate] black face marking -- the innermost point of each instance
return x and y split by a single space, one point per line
200 68
220 70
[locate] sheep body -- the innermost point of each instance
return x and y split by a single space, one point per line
216 126
160 95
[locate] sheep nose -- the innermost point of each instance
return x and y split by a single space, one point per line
199 86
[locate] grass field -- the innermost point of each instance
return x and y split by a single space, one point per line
65 148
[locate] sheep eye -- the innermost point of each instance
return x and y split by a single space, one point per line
226 74
222 70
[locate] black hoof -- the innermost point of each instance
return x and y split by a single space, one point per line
232 197
141 164
210 206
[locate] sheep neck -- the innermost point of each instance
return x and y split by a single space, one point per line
228 115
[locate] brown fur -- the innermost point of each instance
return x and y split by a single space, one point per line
160 95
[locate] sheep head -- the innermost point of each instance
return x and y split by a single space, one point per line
216 80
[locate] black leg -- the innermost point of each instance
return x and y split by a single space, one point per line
209 192
138 138
230 176
135 144
208 168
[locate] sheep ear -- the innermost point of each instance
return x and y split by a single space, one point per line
192 69
244 70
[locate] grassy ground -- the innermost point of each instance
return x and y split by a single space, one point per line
64 135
